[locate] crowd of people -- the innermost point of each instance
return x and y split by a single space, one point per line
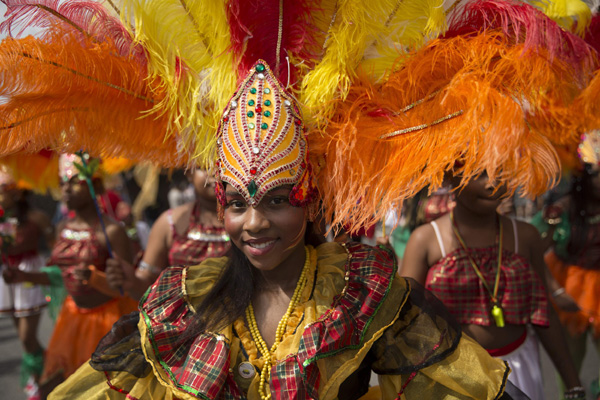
302 128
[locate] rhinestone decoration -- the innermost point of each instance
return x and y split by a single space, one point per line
267 103
250 114
253 90
267 113
255 150
260 76
234 104
260 68
251 102
250 125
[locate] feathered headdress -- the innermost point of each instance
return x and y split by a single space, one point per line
392 93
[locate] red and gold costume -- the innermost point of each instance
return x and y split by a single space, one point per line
198 242
78 330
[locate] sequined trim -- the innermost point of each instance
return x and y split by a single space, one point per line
207 237
71 234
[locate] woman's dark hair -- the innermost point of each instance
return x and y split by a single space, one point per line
580 196
232 293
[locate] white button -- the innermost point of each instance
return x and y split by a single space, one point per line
246 370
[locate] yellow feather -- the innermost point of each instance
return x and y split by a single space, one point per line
357 28
187 43
566 13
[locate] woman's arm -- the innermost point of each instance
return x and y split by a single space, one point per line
552 337
415 263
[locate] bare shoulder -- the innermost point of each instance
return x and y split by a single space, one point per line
182 212
39 218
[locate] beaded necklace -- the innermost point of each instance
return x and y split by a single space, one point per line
265 373
493 293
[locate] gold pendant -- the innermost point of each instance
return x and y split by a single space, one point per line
498 316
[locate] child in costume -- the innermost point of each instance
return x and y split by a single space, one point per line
185 235
570 226
79 258
488 270
23 231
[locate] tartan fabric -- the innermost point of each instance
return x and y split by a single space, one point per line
198 366
522 295
370 273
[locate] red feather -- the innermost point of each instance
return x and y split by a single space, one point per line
254 31
522 23
88 18
592 34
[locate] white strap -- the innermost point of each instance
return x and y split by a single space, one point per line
439 238
514 224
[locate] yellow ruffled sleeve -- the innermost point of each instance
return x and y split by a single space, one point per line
468 373
89 384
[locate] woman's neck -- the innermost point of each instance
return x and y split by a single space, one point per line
474 220
87 215
209 205
285 276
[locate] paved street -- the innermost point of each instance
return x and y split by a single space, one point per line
10 358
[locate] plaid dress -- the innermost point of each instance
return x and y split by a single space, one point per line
522 295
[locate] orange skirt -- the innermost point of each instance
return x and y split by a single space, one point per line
78 331
584 286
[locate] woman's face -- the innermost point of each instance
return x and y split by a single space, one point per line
269 233
204 184
480 195
75 193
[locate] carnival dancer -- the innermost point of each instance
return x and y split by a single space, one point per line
79 257
488 270
23 230
281 319
259 316
570 227
185 235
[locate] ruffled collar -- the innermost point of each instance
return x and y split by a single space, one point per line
201 366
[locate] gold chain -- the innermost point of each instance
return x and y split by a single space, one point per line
267 354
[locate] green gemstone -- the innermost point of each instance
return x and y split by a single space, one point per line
267 103
267 90
251 102
251 125
267 113
260 68
253 90
250 114
252 188
264 125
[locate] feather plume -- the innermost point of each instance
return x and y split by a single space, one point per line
592 33
471 99
36 171
87 18
524 24
68 96
355 27
271 30
187 43
573 15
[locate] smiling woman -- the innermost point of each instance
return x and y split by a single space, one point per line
283 316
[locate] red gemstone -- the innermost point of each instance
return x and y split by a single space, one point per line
225 119
253 171
303 165
258 109
298 122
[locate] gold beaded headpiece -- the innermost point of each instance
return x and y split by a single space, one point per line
261 142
